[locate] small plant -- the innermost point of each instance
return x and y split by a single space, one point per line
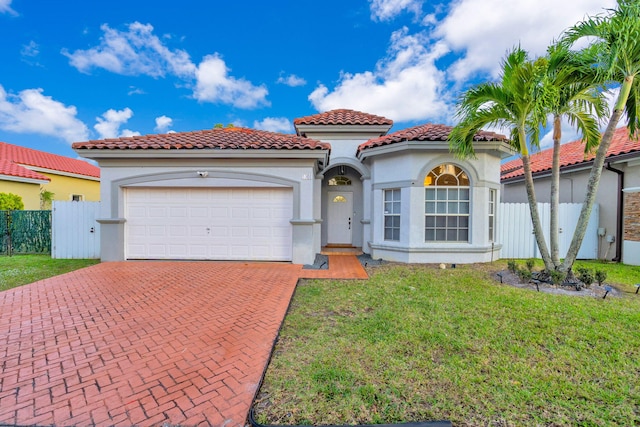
601 276
512 266
525 275
557 277
530 264
586 276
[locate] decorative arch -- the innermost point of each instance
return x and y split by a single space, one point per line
468 168
344 161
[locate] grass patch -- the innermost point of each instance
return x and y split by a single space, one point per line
417 343
20 270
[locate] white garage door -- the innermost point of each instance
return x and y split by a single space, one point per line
209 223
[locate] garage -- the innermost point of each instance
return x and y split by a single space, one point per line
209 223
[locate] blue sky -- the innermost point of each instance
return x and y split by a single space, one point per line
76 70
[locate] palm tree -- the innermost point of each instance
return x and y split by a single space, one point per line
615 54
574 97
518 101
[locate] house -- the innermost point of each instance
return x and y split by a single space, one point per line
618 194
28 173
342 180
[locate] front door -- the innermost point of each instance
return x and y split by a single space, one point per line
340 215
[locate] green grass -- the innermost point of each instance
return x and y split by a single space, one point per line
416 343
20 270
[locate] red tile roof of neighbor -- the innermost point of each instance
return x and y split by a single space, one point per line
223 138
426 132
9 168
571 153
343 117
26 156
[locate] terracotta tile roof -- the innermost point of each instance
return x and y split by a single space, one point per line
426 132
225 138
9 168
343 117
26 156
571 153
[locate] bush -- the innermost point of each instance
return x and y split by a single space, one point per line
525 275
10 202
530 264
586 276
557 277
512 266
601 276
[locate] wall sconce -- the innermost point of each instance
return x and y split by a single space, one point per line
202 174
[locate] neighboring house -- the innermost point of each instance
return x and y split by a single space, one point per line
618 195
242 194
28 173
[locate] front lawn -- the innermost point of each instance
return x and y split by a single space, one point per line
416 343
20 270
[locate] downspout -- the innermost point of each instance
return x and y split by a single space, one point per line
619 216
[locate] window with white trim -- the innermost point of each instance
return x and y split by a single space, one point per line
492 214
447 204
77 197
392 214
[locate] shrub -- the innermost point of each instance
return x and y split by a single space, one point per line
586 276
601 276
557 277
512 266
525 275
530 264
10 202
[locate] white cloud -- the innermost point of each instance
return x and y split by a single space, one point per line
135 91
405 86
274 124
5 7
292 80
385 10
215 85
133 52
32 112
108 125
163 123
31 50
138 51
484 30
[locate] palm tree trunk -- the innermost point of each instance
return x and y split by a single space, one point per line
554 235
535 216
594 176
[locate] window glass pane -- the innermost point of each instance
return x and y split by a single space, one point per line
430 221
463 179
396 207
388 221
453 194
441 207
431 207
441 235
396 195
463 221
453 207
452 235
429 235
396 234
441 194
441 221
388 234
388 195
452 222
463 235
464 207
464 194
430 194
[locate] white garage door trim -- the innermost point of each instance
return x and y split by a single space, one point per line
209 223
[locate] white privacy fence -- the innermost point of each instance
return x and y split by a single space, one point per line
75 233
515 230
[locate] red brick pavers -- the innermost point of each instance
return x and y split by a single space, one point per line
141 343
340 267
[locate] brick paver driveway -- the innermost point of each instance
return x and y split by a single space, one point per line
140 343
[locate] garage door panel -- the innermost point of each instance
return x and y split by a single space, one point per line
209 223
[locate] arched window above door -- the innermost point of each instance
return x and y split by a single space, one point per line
339 180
